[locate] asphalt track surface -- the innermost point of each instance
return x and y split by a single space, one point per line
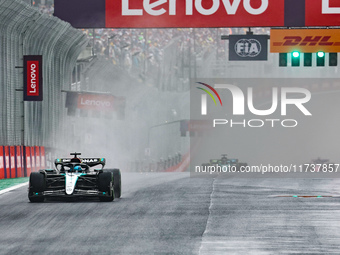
171 213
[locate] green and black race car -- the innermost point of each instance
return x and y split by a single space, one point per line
225 161
74 177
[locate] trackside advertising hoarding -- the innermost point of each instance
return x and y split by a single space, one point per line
33 79
304 40
193 13
95 102
197 13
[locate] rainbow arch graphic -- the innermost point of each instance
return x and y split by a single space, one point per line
209 93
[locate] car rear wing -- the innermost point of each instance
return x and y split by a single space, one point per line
88 161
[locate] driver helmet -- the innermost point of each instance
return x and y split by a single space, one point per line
77 168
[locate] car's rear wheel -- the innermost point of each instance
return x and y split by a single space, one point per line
37 184
117 181
105 186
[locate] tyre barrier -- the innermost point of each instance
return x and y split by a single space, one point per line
20 161
181 166
184 162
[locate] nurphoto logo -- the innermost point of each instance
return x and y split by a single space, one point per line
281 98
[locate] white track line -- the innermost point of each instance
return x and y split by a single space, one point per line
209 217
13 188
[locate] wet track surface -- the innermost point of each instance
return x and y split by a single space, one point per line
171 213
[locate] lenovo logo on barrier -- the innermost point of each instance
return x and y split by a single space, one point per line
322 12
192 13
96 102
33 78
197 13
170 13
157 7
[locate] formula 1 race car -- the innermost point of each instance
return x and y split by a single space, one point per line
225 161
74 177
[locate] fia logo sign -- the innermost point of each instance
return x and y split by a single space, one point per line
248 48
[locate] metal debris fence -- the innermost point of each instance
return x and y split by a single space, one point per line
24 30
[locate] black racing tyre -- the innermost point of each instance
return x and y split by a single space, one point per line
105 185
117 181
37 183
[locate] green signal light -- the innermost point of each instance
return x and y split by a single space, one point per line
320 58
295 58
296 54
321 54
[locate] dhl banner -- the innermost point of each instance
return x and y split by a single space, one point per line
19 161
304 40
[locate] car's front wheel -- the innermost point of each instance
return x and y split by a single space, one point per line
37 184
